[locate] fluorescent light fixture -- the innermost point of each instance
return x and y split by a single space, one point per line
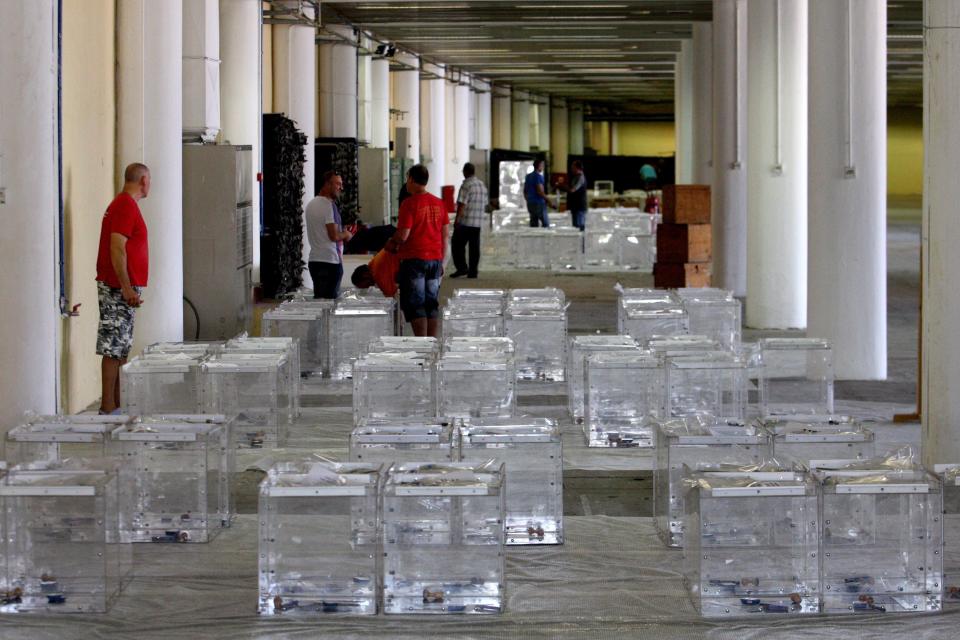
472 51
570 27
571 4
567 37
411 7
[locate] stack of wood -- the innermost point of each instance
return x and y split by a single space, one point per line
684 241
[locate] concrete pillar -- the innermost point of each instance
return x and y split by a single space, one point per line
380 103
777 170
683 113
575 118
484 123
458 140
365 92
502 118
295 94
520 121
847 266
28 183
149 130
559 135
702 55
433 125
338 86
729 186
406 101
544 140
940 367
240 87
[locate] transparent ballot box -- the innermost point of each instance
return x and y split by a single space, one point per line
643 322
404 344
697 443
174 480
160 383
52 438
319 546
750 544
796 377
246 346
469 344
532 452
443 539
638 249
474 319
714 313
352 328
377 441
712 383
543 295
62 549
479 384
540 336
480 294
565 249
306 325
600 248
821 440
255 389
393 385
192 349
623 390
577 351
531 248
882 540
950 480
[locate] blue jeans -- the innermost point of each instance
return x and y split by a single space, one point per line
538 214
326 279
419 288
579 219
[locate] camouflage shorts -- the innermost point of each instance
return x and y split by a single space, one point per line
115 333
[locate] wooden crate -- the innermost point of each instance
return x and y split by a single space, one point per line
686 203
682 243
674 276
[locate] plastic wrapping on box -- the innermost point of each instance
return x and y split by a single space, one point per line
382 441
820 440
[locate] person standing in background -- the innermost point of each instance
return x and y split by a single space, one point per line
326 235
577 195
471 216
536 196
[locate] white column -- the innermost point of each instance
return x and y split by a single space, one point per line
484 123
847 285
683 113
502 118
459 138
702 54
575 118
149 130
295 94
240 88
729 186
777 171
520 121
365 93
433 124
28 183
406 101
543 119
380 102
559 135
338 86
201 69
940 367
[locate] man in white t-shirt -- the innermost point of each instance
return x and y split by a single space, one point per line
326 235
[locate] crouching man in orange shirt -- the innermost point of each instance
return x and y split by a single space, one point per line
380 271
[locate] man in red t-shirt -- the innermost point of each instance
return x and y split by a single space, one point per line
420 242
122 269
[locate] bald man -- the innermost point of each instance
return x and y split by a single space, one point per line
122 269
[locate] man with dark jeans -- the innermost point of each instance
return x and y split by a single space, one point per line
420 242
577 195
536 197
326 235
471 216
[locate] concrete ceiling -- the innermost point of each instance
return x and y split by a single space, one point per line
618 56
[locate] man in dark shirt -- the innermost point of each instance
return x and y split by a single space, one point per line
577 195
536 197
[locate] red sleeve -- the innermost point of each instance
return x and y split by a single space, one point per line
405 217
123 218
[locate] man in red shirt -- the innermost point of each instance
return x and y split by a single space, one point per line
420 242
122 269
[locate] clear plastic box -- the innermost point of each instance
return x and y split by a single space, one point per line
637 249
319 540
531 248
565 250
479 384
174 479
600 249
623 390
393 385
481 320
882 540
540 336
950 480
714 313
404 344
532 452
352 328
52 438
443 539
158 383
192 349
469 344
796 377
577 351
308 326
255 389
388 442
693 444
712 384
643 323
62 548
821 440
265 346
751 544
480 293
543 295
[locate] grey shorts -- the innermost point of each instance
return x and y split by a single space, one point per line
115 333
